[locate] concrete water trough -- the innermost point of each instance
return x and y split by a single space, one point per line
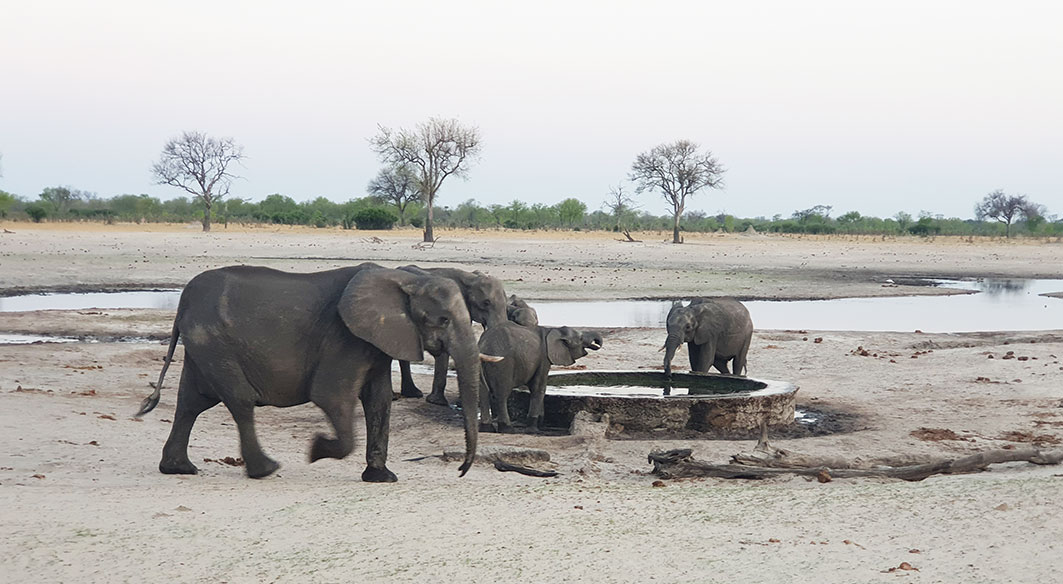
643 401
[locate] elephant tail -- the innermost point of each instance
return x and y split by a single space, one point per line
152 400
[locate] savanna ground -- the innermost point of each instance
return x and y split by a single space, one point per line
81 499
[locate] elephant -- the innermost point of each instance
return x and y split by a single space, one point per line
716 330
519 312
257 336
485 300
526 356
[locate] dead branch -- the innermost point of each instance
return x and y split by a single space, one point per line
630 239
681 464
425 244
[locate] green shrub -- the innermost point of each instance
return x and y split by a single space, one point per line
36 211
375 218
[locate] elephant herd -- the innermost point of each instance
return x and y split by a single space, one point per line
256 336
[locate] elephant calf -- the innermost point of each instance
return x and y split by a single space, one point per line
519 312
527 353
716 330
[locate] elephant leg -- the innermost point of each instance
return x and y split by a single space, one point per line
485 406
498 379
740 359
190 403
408 389
338 404
537 387
376 402
707 357
696 354
257 464
721 365
439 381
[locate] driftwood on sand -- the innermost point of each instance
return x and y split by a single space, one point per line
767 461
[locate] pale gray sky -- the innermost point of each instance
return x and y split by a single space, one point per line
873 107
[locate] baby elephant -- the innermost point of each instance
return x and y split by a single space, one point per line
519 312
527 353
716 330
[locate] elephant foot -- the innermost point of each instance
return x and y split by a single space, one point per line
535 425
177 467
378 475
437 398
325 447
487 427
506 429
262 469
411 390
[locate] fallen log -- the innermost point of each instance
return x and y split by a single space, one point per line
680 463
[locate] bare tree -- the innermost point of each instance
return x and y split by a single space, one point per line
678 171
434 150
396 185
1005 208
618 202
199 164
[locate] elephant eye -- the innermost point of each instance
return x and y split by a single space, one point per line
442 321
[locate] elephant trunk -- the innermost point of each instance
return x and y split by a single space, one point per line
466 357
671 343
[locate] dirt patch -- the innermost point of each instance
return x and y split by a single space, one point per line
937 435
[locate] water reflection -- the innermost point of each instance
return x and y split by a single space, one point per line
1000 304
161 299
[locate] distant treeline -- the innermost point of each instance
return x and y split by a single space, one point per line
63 204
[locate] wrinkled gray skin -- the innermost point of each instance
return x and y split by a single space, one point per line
519 312
527 354
256 336
485 300
716 330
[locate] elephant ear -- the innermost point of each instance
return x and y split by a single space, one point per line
375 307
556 349
703 326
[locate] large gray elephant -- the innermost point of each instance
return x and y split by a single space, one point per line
485 300
256 336
527 354
716 330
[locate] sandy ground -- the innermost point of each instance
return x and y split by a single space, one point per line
81 499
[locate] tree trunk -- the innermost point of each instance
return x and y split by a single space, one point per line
206 218
429 237
675 228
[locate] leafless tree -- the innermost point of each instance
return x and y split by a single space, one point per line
396 185
1005 208
678 171
618 202
434 150
199 164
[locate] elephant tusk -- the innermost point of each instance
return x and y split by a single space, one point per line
595 345
490 358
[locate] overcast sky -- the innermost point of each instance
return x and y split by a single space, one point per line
873 107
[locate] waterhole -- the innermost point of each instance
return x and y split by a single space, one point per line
992 305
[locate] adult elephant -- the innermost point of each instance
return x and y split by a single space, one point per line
526 352
716 330
256 336
485 300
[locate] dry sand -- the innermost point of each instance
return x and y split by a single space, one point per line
81 499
